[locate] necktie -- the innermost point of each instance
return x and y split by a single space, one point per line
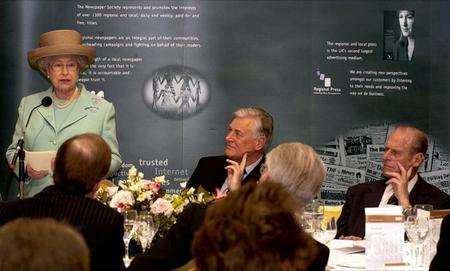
392 200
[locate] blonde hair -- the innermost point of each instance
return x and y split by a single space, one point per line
263 121
298 168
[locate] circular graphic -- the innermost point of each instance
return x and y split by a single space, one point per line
176 92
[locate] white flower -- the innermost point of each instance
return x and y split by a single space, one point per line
190 191
160 179
183 185
200 197
122 198
161 206
147 195
123 185
135 187
132 171
112 190
141 175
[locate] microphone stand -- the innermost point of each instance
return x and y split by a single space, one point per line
22 173
19 146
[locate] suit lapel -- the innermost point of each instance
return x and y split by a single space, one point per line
373 196
47 112
255 174
418 193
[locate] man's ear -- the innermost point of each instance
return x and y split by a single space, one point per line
260 143
418 159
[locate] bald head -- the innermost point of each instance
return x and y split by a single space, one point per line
81 162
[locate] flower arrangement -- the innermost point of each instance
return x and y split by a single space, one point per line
148 195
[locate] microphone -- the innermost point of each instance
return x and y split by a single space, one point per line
46 101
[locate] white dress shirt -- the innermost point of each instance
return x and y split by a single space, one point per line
225 187
389 191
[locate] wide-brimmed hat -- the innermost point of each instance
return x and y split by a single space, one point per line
60 42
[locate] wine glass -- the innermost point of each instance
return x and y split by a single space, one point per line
327 231
129 225
417 229
146 229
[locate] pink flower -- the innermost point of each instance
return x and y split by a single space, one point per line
161 206
122 199
154 187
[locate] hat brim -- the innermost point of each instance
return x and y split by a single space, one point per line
58 50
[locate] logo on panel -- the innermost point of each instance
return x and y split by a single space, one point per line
176 92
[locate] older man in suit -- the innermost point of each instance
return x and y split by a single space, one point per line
80 164
404 153
249 132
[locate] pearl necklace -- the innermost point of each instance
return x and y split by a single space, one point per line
65 103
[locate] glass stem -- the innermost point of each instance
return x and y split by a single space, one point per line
127 257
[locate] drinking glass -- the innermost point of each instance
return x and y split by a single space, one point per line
146 229
417 229
129 225
313 216
425 207
327 231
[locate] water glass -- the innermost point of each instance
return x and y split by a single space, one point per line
313 216
417 229
129 225
146 229
326 232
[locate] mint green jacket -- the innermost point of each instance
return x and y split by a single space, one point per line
91 114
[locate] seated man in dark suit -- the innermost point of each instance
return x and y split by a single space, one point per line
249 132
295 166
405 151
80 164
441 262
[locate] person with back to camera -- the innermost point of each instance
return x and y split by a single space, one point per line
42 245
80 164
254 228
61 58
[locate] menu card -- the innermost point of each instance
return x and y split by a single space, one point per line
384 236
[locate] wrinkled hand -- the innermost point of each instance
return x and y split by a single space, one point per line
235 173
350 237
399 182
36 174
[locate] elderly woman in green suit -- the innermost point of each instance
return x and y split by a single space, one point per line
60 58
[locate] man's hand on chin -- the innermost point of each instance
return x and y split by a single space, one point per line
236 172
399 182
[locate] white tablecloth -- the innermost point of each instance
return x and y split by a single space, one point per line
348 255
